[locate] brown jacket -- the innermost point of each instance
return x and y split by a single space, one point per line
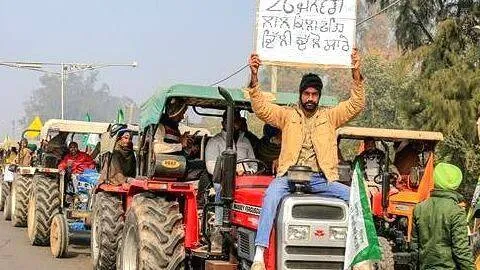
291 120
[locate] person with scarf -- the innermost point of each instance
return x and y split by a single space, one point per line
122 164
168 139
24 157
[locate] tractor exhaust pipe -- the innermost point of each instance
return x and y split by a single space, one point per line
229 165
229 155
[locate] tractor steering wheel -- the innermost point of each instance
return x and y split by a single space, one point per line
261 167
393 177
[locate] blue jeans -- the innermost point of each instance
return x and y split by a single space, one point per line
279 188
218 209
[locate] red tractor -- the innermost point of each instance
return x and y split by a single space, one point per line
153 221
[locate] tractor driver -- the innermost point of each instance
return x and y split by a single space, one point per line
76 160
371 159
311 142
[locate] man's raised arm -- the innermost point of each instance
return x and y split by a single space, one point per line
263 108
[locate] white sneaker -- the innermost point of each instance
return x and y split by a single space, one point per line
258 266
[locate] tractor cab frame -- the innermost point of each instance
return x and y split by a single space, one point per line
404 178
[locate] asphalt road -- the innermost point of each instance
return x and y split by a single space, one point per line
17 253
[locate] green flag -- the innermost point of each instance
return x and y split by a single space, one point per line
362 241
120 117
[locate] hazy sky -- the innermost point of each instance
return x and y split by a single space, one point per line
173 41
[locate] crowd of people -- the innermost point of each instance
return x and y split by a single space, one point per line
439 237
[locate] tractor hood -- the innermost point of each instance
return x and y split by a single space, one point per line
249 190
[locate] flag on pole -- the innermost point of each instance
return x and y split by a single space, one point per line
120 117
34 128
362 240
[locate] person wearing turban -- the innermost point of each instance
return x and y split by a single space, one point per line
440 238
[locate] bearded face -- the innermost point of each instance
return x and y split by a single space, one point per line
309 99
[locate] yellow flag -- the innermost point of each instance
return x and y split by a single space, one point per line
33 127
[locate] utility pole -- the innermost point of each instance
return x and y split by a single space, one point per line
66 69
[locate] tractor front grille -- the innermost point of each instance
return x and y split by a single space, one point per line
319 248
317 251
246 243
318 212
313 265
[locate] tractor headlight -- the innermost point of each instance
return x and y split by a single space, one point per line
338 233
298 232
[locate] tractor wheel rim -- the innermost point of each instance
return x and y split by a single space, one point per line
95 247
31 217
54 233
14 201
129 251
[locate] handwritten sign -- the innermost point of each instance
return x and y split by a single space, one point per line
311 32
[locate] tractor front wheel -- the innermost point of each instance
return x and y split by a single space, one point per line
59 236
387 262
153 237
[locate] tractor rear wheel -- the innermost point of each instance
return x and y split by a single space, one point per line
21 187
43 205
153 237
387 262
4 192
107 226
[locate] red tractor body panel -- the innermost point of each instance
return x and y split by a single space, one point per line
248 199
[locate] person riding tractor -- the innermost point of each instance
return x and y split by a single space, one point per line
309 140
76 161
122 163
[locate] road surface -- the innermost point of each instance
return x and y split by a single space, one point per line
17 253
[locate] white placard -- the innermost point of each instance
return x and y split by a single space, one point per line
306 32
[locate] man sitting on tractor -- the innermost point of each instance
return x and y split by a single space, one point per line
168 139
269 148
214 149
77 161
311 142
122 163
24 157
371 159
217 144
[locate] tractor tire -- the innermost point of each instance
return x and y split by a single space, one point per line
153 237
21 187
108 220
7 212
387 262
4 192
476 245
59 236
43 205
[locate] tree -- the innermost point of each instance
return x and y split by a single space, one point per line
82 96
417 21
